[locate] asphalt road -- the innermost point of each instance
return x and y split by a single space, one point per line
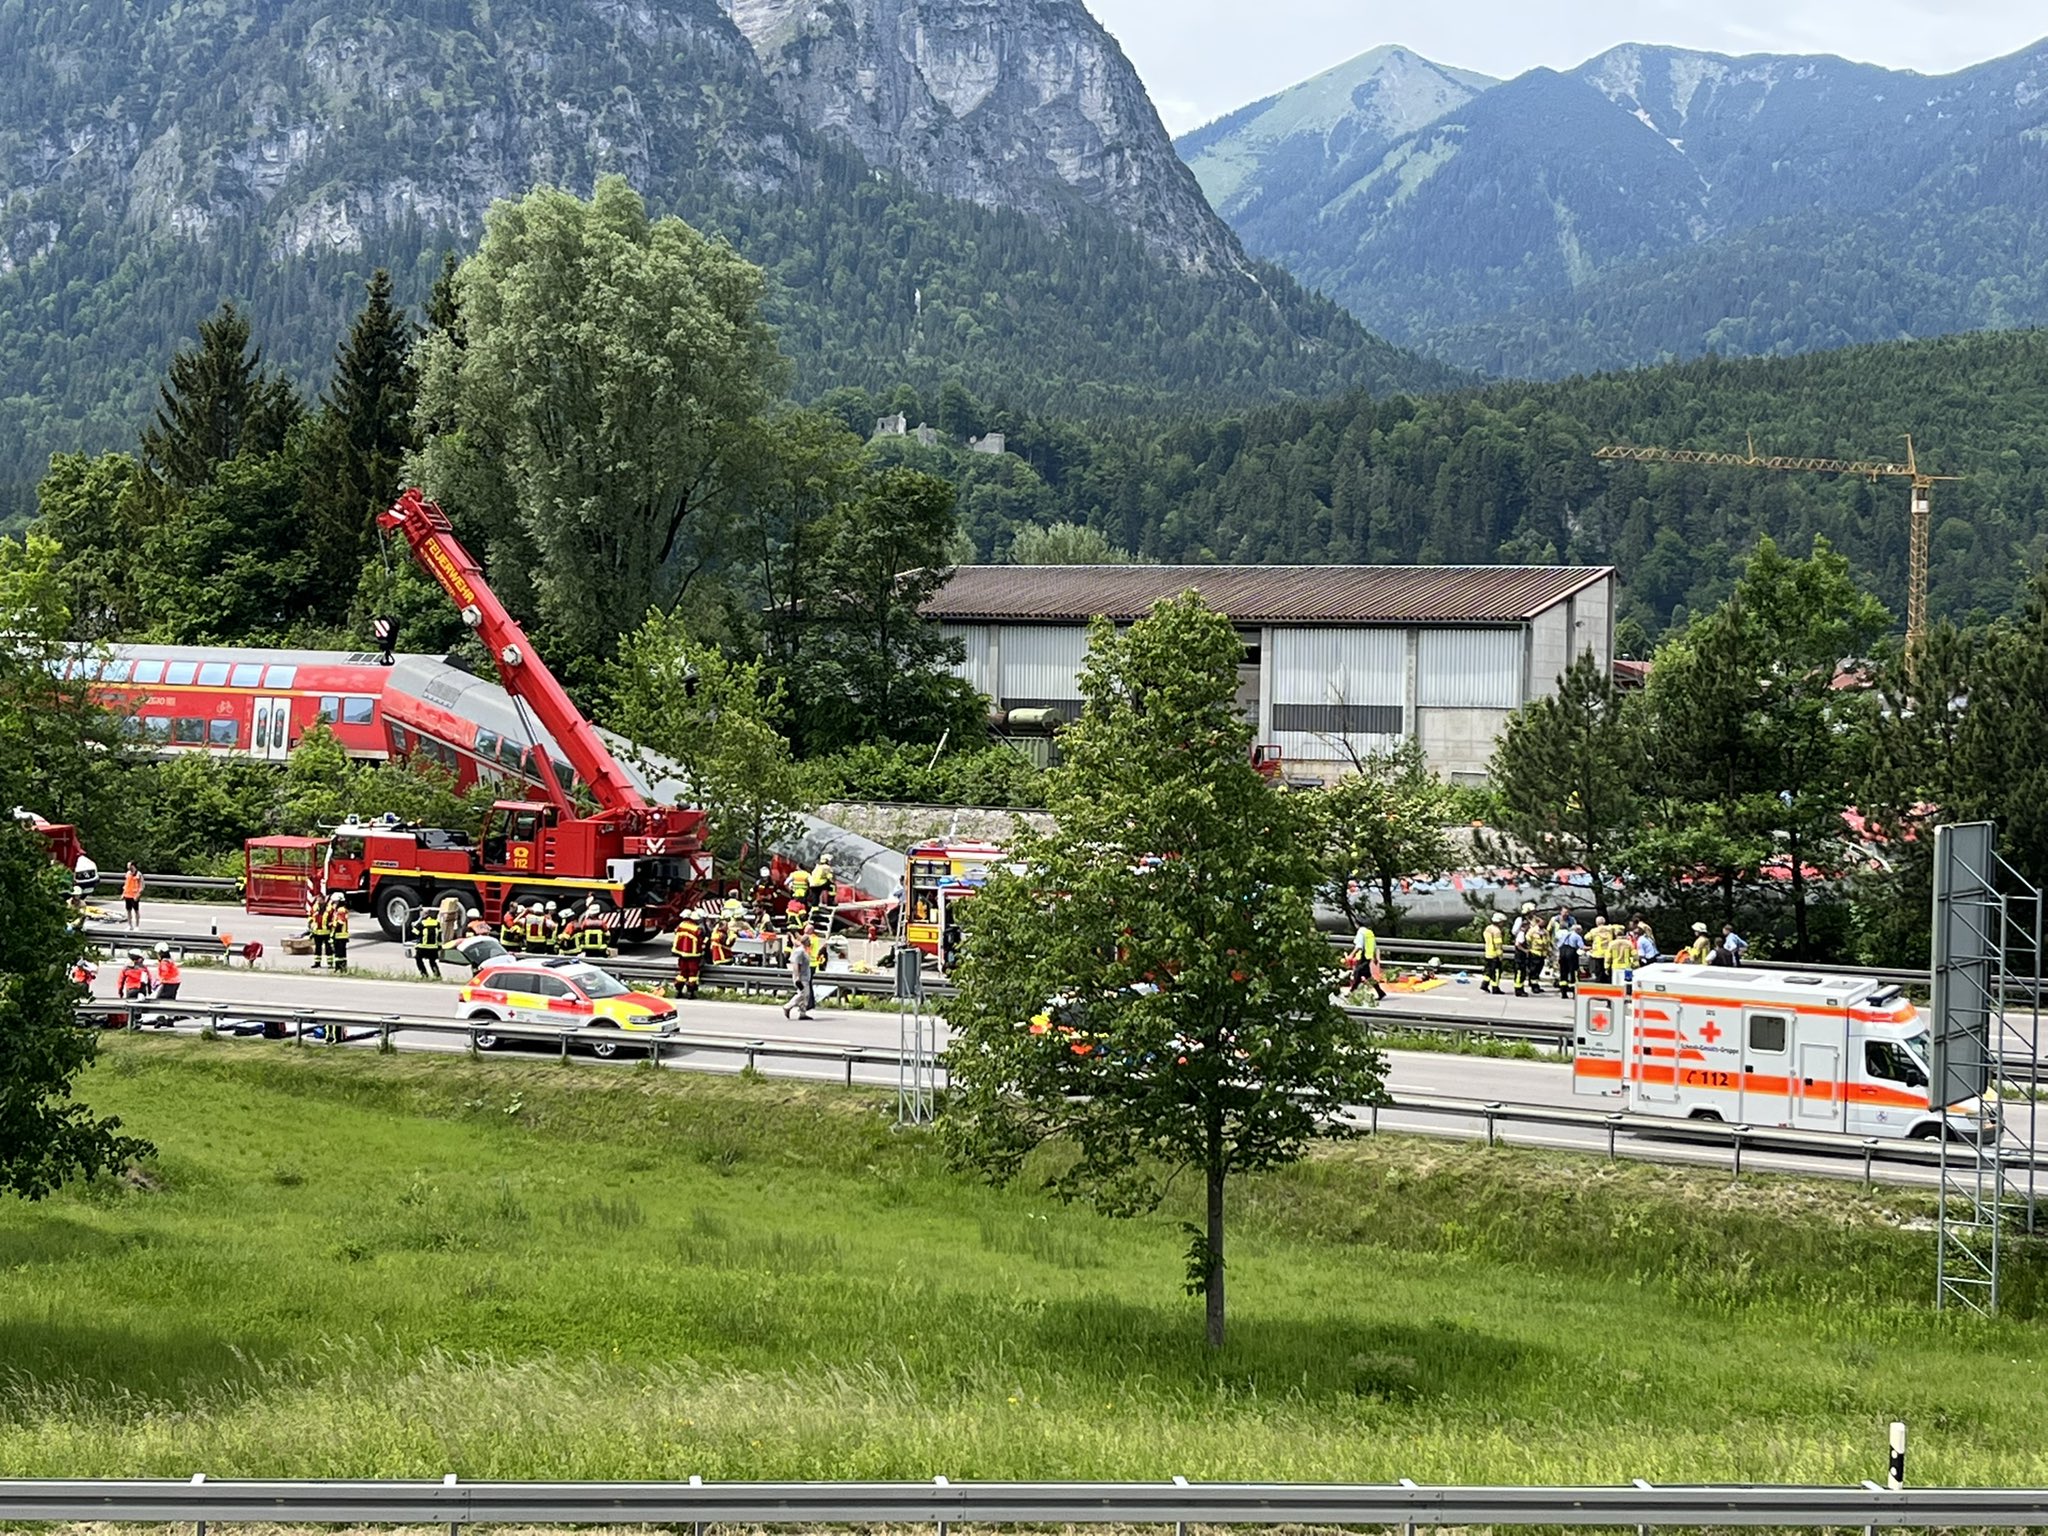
723 1031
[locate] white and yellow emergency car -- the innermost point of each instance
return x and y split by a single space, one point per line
1763 1048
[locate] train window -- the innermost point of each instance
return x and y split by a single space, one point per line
565 778
188 732
397 735
260 734
224 733
157 727
87 669
280 677
131 727
149 672
357 710
116 671
181 673
511 754
487 744
330 706
213 674
247 674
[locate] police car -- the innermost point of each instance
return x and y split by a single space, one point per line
564 993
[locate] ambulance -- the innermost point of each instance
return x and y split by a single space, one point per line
1764 1048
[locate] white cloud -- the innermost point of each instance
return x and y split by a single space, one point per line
1202 58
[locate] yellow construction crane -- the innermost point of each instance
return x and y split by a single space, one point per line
1923 496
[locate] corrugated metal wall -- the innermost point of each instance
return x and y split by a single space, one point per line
1347 685
975 668
1469 668
1041 662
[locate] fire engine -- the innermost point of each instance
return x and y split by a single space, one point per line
1763 1048
941 874
643 864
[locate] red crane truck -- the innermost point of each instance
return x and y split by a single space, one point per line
642 864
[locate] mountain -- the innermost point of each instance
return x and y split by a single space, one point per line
1262 155
1658 202
1025 104
157 159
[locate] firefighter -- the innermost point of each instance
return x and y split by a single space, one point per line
1699 949
824 890
132 985
800 884
1365 963
762 899
551 938
539 941
721 942
689 952
1495 943
316 930
84 973
168 976
426 941
1598 938
1528 962
337 932
512 928
592 940
732 914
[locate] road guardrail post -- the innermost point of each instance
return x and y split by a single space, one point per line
1869 1152
1492 1110
1613 1126
1740 1132
565 1047
849 1057
385 1027
754 1046
299 1026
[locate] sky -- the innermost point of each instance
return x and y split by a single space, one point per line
1203 58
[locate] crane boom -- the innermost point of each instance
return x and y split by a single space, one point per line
1920 525
526 677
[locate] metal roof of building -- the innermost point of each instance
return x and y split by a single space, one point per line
1265 594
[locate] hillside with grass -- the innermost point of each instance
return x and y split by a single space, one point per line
354 1265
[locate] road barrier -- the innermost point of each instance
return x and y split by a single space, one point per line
942 1503
1486 1118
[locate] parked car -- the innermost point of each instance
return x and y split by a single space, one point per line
562 992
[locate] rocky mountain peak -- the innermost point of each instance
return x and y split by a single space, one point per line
1024 104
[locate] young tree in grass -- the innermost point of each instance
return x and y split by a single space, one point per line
1566 773
1151 991
45 1137
1386 821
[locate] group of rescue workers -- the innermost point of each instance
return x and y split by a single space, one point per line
140 980
786 914
1532 946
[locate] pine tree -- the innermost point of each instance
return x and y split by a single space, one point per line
217 403
365 431
1565 773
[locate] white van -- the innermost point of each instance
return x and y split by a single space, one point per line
1762 1048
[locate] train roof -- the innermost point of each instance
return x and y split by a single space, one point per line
265 655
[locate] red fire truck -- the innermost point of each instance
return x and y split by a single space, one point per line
642 864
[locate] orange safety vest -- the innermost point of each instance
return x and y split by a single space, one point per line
131 886
167 972
132 979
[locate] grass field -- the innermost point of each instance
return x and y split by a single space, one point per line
364 1265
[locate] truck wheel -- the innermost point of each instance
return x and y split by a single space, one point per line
1706 1114
1927 1132
395 906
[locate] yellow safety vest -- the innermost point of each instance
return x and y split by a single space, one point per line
1494 942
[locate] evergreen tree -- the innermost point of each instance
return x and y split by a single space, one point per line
216 404
1382 823
358 448
1566 771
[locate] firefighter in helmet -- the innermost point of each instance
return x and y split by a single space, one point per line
689 953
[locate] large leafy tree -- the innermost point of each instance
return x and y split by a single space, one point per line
714 716
1566 773
217 403
1164 940
97 511
1386 821
46 1136
603 396
229 562
358 447
1751 741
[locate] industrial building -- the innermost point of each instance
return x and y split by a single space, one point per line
1339 659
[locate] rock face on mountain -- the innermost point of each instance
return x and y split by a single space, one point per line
1025 104
1659 202
1290 142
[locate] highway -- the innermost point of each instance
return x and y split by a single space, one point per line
288 981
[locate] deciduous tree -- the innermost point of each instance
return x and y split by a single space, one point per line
1386 821
1151 991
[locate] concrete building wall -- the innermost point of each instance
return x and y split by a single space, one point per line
1458 743
1550 651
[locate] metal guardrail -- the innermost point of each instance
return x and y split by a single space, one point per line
940 1502
338 1026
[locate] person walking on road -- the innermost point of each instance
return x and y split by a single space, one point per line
1365 962
131 896
426 941
801 972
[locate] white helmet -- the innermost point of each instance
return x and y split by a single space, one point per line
551 906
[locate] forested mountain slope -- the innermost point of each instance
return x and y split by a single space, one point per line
157 159
1508 474
1661 203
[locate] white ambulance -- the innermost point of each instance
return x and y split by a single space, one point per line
1762 1048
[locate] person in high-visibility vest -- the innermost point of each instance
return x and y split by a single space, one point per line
1598 938
168 976
337 931
592 939
316 930
1495 944
824 890
426 941
131 896
800 884
721 943
539 941
1365 964
512 928
689 952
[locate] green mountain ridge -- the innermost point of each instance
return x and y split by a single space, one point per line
162 159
